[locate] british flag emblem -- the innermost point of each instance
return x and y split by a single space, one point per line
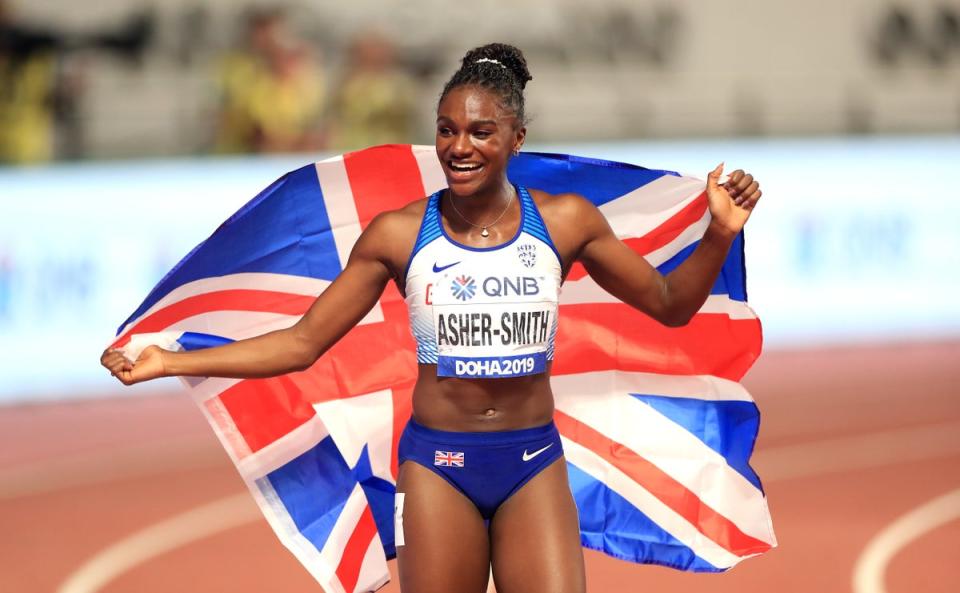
448 458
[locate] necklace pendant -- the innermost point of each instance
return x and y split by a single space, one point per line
483 232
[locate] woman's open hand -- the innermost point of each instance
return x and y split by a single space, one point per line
149 365
732 202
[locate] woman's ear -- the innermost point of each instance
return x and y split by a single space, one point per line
518 141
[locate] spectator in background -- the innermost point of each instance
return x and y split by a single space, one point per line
272 92
37 91
27 81
374 102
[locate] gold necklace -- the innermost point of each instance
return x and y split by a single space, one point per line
482 227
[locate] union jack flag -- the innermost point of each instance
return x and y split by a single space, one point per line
448 458
656 429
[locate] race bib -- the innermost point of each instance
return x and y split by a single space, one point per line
493 326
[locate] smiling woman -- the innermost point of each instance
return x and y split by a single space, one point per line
480 265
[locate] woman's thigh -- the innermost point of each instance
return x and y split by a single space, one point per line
446 547
535 537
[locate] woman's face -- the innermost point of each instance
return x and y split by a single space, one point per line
475 138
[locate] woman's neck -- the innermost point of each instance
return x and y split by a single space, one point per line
486 204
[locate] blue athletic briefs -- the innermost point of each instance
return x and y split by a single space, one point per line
487 467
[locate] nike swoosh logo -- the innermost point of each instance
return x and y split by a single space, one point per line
437 268
529 456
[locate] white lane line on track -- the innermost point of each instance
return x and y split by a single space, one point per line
870 568
875 449
154 540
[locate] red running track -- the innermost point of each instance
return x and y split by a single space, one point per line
852 439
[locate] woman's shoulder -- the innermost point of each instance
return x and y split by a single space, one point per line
562 206
401 220
391 234
398 226
571 220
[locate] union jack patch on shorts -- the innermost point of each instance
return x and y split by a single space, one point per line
448 458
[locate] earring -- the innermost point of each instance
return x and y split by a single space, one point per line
516 151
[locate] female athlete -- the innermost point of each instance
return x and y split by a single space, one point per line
482 479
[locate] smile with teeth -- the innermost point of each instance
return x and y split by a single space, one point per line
465 166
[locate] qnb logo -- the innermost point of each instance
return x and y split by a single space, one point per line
497 286
463 287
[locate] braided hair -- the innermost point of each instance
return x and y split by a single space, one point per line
497 67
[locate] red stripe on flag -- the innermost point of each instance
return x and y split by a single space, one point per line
671 228
382 355
660 236
265 301
597 337
264 410
368 358
356 549
675 495
383 178
577 271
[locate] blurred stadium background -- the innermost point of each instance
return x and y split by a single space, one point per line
130 128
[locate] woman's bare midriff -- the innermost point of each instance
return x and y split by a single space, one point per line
481 405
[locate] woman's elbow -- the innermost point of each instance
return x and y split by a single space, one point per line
301 363
301 352
664 314
668 310
675 319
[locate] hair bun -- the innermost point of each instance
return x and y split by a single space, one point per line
497 55
496 67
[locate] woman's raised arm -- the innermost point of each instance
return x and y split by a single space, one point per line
672 299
